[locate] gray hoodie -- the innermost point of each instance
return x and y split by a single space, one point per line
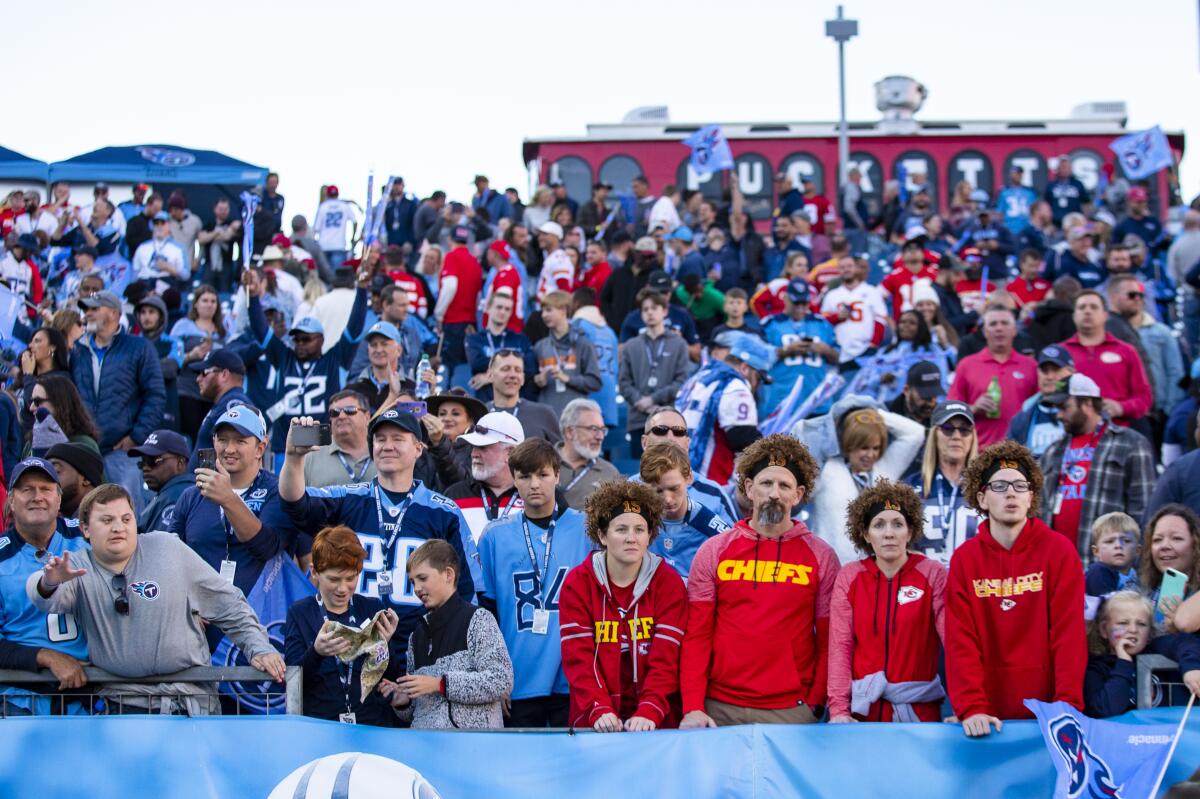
578 359
654 368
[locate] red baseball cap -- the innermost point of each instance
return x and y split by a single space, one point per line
331 190
500 247
970 254
280 240
1138 193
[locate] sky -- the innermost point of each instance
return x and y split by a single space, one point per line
323 93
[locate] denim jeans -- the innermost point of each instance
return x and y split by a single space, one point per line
1191 324
127 471
336 258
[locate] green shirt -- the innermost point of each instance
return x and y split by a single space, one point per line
709 304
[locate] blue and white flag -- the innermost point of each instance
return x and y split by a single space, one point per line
1144 153
710 150
376 213
250 202
797 406
11 306
1102 759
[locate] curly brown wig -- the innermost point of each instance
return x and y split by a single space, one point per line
858 518
779 447
606 501
1008 451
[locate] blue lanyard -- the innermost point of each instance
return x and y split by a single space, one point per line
345 677
225 520
540 577
350 471
579 476
398 513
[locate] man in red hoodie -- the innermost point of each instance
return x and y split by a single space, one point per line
756 650
1014 600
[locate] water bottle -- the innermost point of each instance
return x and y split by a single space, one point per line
423 387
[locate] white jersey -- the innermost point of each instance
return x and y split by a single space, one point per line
151 254
866 323
664 215
558 274
736 408
333 218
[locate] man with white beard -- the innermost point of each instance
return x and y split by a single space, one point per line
489 493
583 470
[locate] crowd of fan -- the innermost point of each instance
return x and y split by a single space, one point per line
627 463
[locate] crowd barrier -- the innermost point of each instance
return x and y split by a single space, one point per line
180 758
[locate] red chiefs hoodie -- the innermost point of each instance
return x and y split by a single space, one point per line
758 620
1014 623
889 624
623 660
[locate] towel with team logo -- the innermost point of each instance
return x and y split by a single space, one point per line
1101 758
368 641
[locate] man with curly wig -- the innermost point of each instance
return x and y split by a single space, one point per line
756 651
887 616
1014 600
623 612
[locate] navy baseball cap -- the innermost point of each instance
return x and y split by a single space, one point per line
219 359
32 463
798 290
162 442
461 234
926 378
387 329
946 411
402 419
309 325
1057 355
243 419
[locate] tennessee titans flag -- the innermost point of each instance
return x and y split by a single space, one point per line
250 202
377 212
1144 153
1102 759
279 585
710 150
11 306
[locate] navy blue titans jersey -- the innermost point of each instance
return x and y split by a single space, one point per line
304 389
518 586
678 541
390 527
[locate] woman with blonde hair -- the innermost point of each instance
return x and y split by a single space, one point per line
873 445
949 446
537 213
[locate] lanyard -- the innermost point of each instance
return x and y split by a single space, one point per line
579 476
397 512
345 676
350 471
944 511
656 357
492 342
225 521
533 556
487 505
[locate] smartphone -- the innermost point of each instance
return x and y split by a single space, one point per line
1173 585
318 436
206 459
417 409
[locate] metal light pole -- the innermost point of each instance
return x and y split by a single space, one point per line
842 30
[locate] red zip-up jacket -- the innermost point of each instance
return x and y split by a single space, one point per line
1014 623
596 635
758 620
894 625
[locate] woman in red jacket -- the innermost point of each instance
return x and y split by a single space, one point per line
622 616
887 615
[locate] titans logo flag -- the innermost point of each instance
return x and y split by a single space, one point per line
1101 759
710 150
1143 153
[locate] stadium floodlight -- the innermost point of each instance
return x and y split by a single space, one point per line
842 30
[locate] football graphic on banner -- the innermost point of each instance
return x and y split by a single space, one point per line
354 775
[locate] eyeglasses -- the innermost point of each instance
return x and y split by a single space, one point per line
487 431
1002 486
950 429
594 429
121 603
336 412
662 429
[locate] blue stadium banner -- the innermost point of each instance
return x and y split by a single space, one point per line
1143 153
257 757
710 150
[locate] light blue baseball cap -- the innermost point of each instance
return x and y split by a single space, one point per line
245 420
382 328
308 324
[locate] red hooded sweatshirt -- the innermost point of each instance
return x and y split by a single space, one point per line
894 625
1014 623
758 620
622 656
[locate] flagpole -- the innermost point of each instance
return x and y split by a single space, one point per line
1171 752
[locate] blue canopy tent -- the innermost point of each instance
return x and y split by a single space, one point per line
14 166
204 176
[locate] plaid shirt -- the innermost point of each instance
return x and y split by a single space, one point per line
1121 478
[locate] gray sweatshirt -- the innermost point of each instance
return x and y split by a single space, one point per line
170 589
665 359
577 357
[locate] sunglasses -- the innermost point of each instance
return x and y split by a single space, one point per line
485 431
150 463
121 603
950 429
662 429
336 412
1135 295
38 402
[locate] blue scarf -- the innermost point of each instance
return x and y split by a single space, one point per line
722 374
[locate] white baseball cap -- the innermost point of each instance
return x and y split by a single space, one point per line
553 228
497 427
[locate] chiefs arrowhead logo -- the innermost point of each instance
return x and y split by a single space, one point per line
1007 604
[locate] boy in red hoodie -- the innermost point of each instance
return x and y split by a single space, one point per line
622 614
1014 600
756 650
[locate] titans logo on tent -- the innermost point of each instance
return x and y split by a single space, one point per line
146 589
164 157
1091 777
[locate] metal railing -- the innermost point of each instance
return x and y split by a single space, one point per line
293 691
1147 665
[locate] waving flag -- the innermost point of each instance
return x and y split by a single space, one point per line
710 150
11 306
250 202
1144 153
796 407
1102 759
375 213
